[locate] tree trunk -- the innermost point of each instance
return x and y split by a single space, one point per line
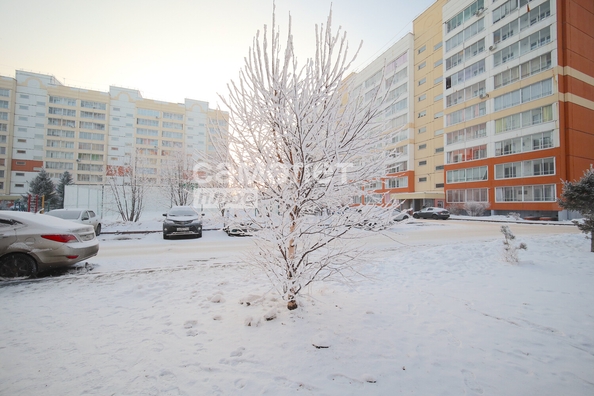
592 242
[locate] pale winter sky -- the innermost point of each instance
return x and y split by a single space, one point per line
176 49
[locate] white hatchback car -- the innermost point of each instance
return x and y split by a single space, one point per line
82 216
31 243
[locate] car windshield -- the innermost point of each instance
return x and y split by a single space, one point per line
182 212
66 214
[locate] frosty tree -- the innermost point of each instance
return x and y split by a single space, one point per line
128 184
306 141
579 196
177 178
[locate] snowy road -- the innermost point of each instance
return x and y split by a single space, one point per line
139 251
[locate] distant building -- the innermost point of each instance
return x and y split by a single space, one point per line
45 124
502 107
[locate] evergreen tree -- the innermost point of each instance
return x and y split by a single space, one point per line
43 185
65 180
579 196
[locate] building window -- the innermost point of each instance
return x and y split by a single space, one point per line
524 70
523 95
524 119
93 105
439 62
461 96
422 114
422 81
439 150
439 185
468 195
438 114
421 163
466 74
422 49
533 193
62 100
473 9
438 80
470 133
504 10
397 167
523 144
466 114
142 121
422 129
523 46
437 46
467 154
422 146
479 173
422 65
397 182
439 167
466 34
422 97
422 179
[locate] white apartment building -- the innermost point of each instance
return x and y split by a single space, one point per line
45 124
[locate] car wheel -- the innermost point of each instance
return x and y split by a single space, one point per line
17 265
434 217
416 216
98 230
165 236
405 217
199 235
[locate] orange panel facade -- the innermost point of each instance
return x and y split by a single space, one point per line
21 165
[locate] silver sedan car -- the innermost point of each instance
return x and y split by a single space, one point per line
32 243
82 216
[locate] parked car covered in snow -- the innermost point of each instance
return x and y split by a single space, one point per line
82 216
240 222
432 213
32 243
182 220
398 215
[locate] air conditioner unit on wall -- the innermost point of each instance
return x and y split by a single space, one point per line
493 47
483 96
479 11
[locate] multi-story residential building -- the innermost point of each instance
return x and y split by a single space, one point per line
428 108
45 124
391 76
519 101
503 104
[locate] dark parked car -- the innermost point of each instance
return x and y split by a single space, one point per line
182 220
32 243
432 213
82 216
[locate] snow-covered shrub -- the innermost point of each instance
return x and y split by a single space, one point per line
456 209
514 215
510 250
476 209
579 196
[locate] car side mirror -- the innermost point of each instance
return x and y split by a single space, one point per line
203 214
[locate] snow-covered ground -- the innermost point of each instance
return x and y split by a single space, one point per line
438 312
